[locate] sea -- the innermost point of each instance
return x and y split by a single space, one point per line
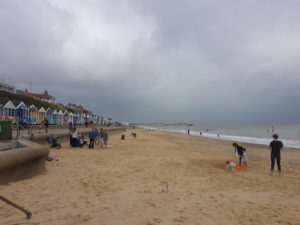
288 134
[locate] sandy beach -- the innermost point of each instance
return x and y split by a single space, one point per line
158 178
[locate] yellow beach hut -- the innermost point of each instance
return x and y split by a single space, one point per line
33 114
41 115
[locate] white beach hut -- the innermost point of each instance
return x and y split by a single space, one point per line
60 117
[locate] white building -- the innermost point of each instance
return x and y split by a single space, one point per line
7 86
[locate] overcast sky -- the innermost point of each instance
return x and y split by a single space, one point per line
213 62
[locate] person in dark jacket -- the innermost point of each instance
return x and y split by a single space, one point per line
275 147
45 122
239 151
92 136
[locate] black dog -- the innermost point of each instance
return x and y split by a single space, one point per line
133 135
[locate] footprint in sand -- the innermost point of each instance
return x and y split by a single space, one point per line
180 219
157 220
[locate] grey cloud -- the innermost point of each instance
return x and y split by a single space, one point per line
209 62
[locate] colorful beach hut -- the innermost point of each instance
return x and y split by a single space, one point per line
94 119
74 118
55 117
49 115
101 120
82 118
41 115
71 116
98 120
60 117
33 114
66 117
8 111
85 118
22 113
78 118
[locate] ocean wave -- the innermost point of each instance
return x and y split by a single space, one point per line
252 140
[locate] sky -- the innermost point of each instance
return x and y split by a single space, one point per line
216 62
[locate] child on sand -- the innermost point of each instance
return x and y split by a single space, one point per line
230 165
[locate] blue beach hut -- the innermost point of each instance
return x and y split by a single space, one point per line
22 113
55 116
78 118
49 115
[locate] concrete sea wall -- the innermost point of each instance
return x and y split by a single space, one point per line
23 162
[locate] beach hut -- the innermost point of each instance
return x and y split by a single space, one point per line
41 115
8 110
66 117
49 115
22 113
78 118
55 117
33 114
94 119
98 120
74 118
101 120
85 118
88 118
60 117
91 118
71 117
82 116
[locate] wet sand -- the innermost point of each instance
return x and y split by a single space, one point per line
158 178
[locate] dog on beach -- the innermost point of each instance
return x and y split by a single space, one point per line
133 135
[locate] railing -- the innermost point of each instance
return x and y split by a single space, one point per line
18 128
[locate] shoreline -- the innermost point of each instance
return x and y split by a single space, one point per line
233 138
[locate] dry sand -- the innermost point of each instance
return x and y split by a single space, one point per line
159 178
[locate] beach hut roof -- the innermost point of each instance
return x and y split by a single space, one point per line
21 106
9 105
49 110
70 114
32 107
42 109
66 112
60 112
55 112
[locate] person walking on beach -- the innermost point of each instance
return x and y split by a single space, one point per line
275 147
188 131
105 138
239 151
45 122
101 137
92 136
